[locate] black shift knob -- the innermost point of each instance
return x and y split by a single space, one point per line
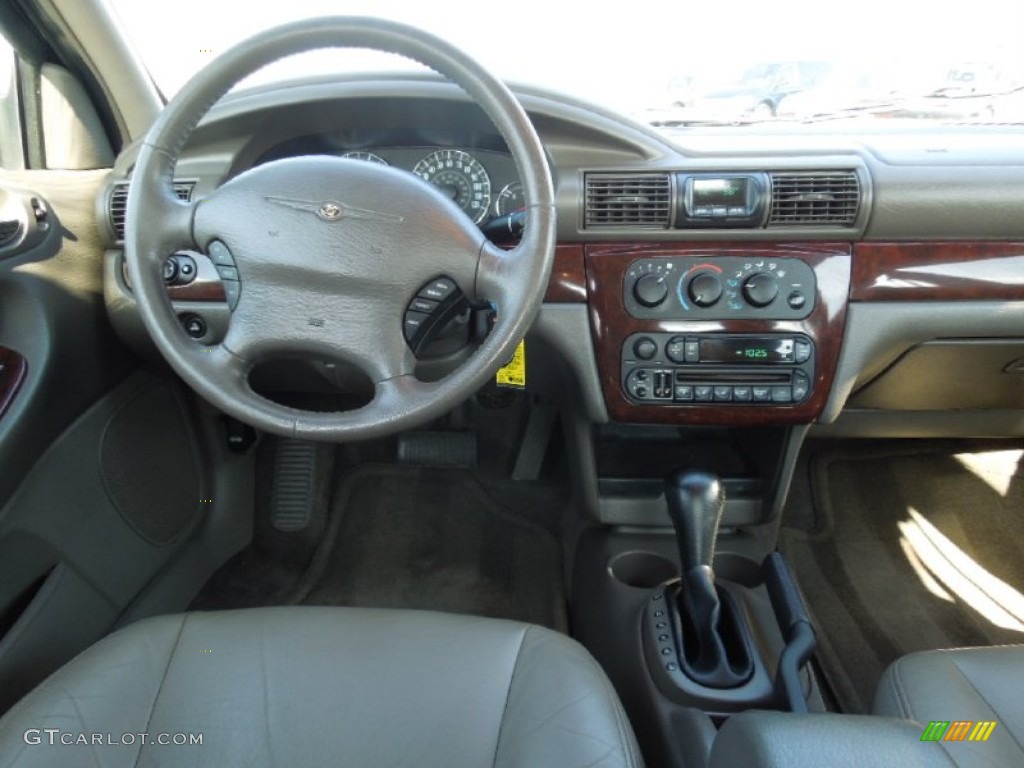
695 503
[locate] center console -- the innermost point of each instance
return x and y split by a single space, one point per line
714 357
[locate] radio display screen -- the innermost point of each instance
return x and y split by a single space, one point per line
727 192
750 350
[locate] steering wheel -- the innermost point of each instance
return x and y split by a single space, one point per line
329 252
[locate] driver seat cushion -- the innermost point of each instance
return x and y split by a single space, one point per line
327 686
963 684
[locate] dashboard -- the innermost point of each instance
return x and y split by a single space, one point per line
689 274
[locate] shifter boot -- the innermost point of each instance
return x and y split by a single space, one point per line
711 636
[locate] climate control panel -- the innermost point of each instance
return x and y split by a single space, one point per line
709 287
718 368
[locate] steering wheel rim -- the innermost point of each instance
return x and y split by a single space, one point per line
281 290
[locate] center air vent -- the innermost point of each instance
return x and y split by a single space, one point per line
628 200
814 198
119 203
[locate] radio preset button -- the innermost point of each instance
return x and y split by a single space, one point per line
801 386
684 393
703 393
782 394
762 394
741 394
723 393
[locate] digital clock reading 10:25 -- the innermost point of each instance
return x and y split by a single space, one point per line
758 353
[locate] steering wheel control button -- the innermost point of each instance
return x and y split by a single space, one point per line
645 348
233 292
220 255
170 270
414 323
705 289
437 290
194 326
651 290
227 273
423 305
760 289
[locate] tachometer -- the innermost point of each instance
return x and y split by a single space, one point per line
510 199
369 157
460 176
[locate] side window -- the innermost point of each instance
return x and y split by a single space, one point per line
12 154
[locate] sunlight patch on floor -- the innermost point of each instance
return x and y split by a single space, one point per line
996 468
951 570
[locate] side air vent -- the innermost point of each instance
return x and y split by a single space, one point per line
628 200
814 198
119 203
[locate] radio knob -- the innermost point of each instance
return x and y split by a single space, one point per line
760 289
705 289
650 290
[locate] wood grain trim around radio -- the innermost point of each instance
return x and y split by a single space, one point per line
606 266
940 271
568 283
13 369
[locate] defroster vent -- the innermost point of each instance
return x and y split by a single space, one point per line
814 198
639 200
119 203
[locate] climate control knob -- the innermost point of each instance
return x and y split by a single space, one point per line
651 290
705 289
760 289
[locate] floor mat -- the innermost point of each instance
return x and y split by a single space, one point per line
433 539
908 550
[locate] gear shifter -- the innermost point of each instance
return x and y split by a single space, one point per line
715 649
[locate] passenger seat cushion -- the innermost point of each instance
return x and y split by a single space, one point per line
786 740
975 684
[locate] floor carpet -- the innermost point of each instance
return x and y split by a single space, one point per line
901 549
433 539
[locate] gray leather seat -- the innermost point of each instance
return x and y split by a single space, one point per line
968 684
307 686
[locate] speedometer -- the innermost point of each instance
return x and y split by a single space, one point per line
460 176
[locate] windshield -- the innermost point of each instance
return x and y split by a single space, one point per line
671 65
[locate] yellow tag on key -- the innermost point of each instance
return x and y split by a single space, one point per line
514 374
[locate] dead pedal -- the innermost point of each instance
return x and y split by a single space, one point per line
294 486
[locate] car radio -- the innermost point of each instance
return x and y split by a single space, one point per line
719 368
721 200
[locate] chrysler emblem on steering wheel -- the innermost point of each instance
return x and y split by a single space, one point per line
332 211
329 212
